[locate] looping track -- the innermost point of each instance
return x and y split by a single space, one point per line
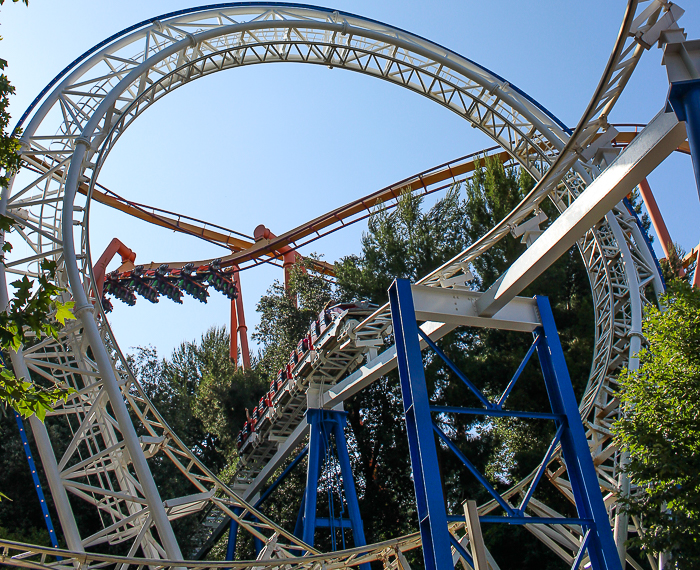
71 133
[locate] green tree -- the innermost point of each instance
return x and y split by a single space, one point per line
661 428
285 315
203 398
225 392
200 393
672 268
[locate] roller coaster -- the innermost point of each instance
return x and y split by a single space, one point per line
68 133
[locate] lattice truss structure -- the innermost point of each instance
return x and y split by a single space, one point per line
68 134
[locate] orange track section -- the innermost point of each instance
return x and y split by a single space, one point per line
245 251
232 242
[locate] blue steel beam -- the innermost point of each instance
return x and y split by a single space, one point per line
489 519
348 481
282 477
325 522
496 413
37 483
463 377
684 98
462 551
469 465
577 456
542 468
313 471
233 535
518 372
430 502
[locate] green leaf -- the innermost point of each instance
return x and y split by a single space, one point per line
64 312
661 428
6 223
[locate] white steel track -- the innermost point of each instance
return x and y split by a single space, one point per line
69 136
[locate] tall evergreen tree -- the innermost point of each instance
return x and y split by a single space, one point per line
285 315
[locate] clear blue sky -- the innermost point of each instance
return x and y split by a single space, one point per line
281 144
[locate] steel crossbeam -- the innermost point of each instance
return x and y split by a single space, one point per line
76 121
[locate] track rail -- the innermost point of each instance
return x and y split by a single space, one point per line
70 135
424 183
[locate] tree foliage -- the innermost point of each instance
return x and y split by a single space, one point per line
35 308
35 311
285 316
672 267
204 398
10 159
661 428
225 392
201 393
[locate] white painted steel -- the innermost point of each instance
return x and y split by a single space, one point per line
291 443
653 145
71 134
377 367
461 308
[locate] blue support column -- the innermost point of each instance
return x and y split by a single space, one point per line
430 503
577 455
358 531
233 536
299 526
313 471
37 484
259 545
324 424
684 98
421 430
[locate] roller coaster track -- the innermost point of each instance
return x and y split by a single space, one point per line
249 253
72 127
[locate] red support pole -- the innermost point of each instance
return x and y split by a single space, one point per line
241 329
114 247
288 261
657 219
696 275
289 255
233 350
658 222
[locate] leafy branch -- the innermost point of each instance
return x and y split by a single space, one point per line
661 429
38 313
